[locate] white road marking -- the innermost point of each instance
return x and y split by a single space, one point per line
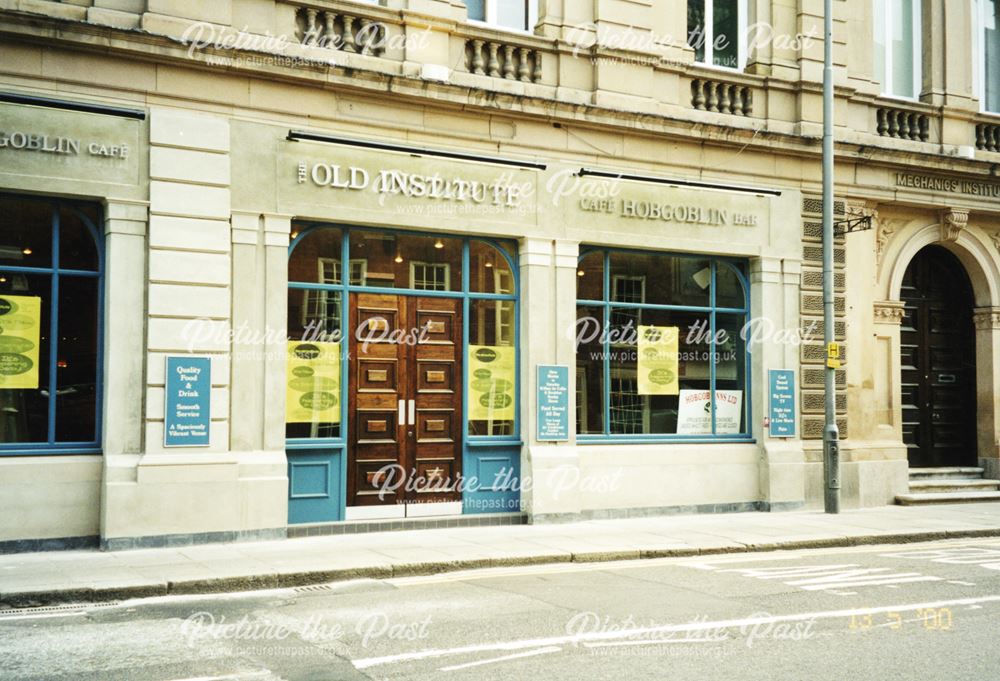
960 582
649 642
505 658
40 616
571 639
833 577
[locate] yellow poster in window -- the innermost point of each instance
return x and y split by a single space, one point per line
491 382
20 325
312 393
658 360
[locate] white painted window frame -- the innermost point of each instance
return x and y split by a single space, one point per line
885 7
742 10
436 266
979 52
493 12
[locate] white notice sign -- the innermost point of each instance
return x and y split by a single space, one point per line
694 412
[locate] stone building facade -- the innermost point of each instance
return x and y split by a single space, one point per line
215 214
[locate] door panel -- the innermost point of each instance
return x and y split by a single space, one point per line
938 362
378 370
405 399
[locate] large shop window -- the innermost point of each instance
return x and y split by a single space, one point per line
50 326
480 272
897 29
717 32
990 21
660 349
517 15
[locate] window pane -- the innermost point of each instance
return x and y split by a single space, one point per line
903 58
425 263
726 38
477 9
491 324
490 271
730 376
590 277
729 290
314 317
512 14
316 259
644 410
659 279
878 38
25 233
77 250
991 54
696 28
589 371
24 411
76 361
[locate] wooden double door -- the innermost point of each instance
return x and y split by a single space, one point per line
938 357
405 400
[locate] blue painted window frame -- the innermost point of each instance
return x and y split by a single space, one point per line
55 272
345 288
711 310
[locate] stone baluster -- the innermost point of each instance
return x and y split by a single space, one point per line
477 58
523 70
349 45
508 62
697 95
312 27
494 63
536 75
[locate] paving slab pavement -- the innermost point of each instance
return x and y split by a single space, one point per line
32 579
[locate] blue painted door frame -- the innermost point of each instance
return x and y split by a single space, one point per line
317 468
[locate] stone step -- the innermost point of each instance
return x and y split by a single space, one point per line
946 498
951 472
954 485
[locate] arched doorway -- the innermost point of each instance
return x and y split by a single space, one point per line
938 353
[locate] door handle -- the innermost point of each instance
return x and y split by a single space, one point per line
413 413
402 413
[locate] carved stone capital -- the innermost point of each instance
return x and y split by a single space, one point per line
953 221
995 236
986 318
889 312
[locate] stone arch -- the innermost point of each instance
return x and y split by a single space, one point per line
969 245
979 257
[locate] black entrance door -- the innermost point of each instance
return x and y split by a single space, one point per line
938 362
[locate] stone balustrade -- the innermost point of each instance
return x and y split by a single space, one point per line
904 124
721 97
503 60
988 136
339 31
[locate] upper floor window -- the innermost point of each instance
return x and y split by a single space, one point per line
990 21
517 15
897 29
716 31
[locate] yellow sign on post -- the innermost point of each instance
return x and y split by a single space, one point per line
313 383
658 360
20 325
833 355
491 382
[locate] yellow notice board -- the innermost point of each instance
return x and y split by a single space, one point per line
20 324
657 364
312 393
491 383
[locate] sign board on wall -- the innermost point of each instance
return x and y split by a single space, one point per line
553 403
20 325
781 388
694 412
188 403
69 145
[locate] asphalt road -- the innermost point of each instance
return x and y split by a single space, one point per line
927 611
